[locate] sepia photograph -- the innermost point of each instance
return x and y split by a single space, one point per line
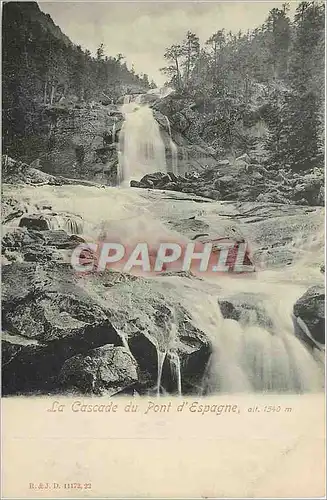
163 247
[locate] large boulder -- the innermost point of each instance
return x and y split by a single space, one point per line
104 370
50 318
310 187
310 308
156 180
11 208
20 244
51 315
46 304
45 220
247 308
153 321
39 222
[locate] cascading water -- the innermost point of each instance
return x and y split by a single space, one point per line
73 225
250 357
161 359
141 147
247 355
175 366
173 149
168 126
113 132
70 223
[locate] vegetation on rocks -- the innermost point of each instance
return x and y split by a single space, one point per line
44 73
272 75
242 135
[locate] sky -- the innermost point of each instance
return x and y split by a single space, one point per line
141 31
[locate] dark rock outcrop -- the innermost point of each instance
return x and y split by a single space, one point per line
241 181
34 221
17 172
51 319
20 244
245 308
48 220
106 370
311 309
55 318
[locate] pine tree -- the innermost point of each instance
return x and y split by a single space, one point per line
190 50
173 55
217 42
295 132
303 115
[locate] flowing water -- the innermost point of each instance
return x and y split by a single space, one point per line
246 354
141 147
113 132
161 360
175 366
173 149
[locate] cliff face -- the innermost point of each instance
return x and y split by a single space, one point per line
73 141
82 142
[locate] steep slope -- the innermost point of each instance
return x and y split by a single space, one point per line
42 69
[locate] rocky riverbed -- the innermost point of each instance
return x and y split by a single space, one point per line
84 143
242 180
116 333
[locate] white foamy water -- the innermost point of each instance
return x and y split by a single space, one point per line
247 356
141 148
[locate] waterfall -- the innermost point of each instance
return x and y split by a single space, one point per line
256 353
141 147
174 156
113 133
69 223
248 357
161 358
73 225
53 222
175 366
173 149
168 126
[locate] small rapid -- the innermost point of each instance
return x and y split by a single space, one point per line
248 354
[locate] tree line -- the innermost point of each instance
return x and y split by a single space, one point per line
283 56
41 66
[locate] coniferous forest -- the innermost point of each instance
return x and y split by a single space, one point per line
282 60
272 76
103 171
41 66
